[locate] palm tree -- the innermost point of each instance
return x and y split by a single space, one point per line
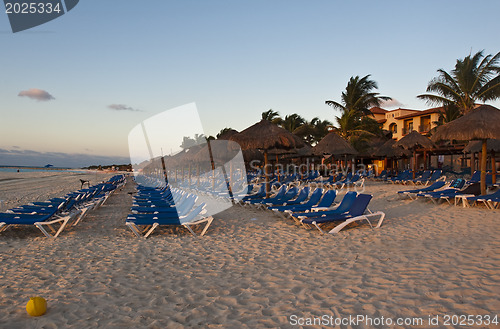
271 115
321 128
187 142
450 113
474 79
359 97
356 101
292 122
313 131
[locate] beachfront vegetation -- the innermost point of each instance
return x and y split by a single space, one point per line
355 123
187 141
476 78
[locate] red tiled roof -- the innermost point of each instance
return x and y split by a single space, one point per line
382 120
377 110
419 113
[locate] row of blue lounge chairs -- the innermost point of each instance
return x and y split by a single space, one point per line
337 181
155 206
406 177
456 192
59 211
316 208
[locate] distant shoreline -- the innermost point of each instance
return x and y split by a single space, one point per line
38 168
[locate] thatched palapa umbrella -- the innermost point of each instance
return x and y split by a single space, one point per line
482 123
228 134
387 150
411 142
265 135
333 144
492 145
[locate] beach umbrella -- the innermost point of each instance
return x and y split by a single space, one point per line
482 123
252 154
387 150
333 144
412 141
492 145
228 134
265 136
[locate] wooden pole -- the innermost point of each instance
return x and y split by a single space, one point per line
198 175
266 173
414 161
277 167
493 167
483 167
472 161
164 171
189 174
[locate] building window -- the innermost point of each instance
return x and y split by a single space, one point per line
393 128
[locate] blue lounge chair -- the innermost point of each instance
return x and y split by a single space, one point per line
453 188
436 176
426 175
291 194
381 176
313 200
301 197
38 220
489 200
344 206
181 208
152 221
281 192
355 213
261 193
412 193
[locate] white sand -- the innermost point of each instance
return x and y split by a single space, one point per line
24 187
425 260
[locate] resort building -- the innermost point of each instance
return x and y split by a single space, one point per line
403 121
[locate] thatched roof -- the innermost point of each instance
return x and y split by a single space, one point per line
303 151
414 140
252 154
183 157
481 123
387 150
333 144
222 152
228 134
475 146
265 135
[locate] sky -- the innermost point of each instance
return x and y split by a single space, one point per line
76 86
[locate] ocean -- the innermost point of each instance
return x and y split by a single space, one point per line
36 169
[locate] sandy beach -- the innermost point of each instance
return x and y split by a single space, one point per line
251 270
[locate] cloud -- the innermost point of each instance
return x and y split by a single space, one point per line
38 94
393 103
122 107
58 159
